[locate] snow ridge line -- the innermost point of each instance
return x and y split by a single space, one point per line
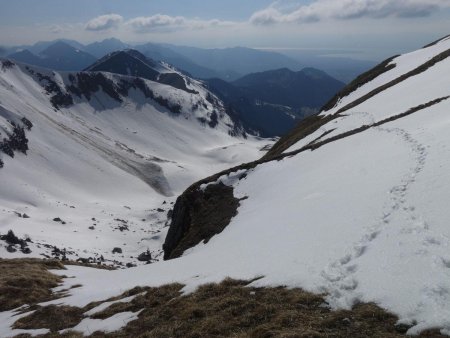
418 70
310 146
339 275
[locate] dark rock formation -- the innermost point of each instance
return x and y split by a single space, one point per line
59 98
7 64
16 141
12 240
175 80
145 256
117 250
197 216
57 219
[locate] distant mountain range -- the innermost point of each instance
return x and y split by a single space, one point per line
58 56
267 103
233 63
273 102
227 64
100 49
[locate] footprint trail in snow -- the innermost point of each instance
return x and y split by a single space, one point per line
399 215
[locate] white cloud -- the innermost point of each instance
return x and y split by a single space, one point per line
347 9
104 22
161 22
55 29
149 23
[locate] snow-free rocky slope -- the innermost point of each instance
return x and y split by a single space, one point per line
352 204
91 162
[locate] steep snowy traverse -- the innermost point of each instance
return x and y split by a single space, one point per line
91 162
339 274
351 204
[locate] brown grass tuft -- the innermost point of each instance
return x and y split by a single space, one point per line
51 317
229 309
26 281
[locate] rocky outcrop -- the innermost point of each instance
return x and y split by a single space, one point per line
198 215
16 140
175 80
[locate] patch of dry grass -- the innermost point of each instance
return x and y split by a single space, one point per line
26 281
51 317
228 309
231 309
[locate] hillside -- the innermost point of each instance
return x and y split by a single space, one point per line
350 205
308 88
359 211
91 162
271 103
258 117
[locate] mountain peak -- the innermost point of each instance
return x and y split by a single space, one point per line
57 48
126 62
102 48
109 40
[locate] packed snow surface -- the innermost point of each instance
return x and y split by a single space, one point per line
362 219
8 318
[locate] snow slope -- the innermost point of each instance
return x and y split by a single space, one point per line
362 218
103 168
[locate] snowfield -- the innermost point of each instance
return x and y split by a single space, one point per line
362 219
102 174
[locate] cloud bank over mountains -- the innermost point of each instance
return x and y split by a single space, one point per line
166 22
279 13
348 9
374 28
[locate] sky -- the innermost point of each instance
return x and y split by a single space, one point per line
368 29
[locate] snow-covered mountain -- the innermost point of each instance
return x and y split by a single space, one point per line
352 204
128 62
133 63
92 161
